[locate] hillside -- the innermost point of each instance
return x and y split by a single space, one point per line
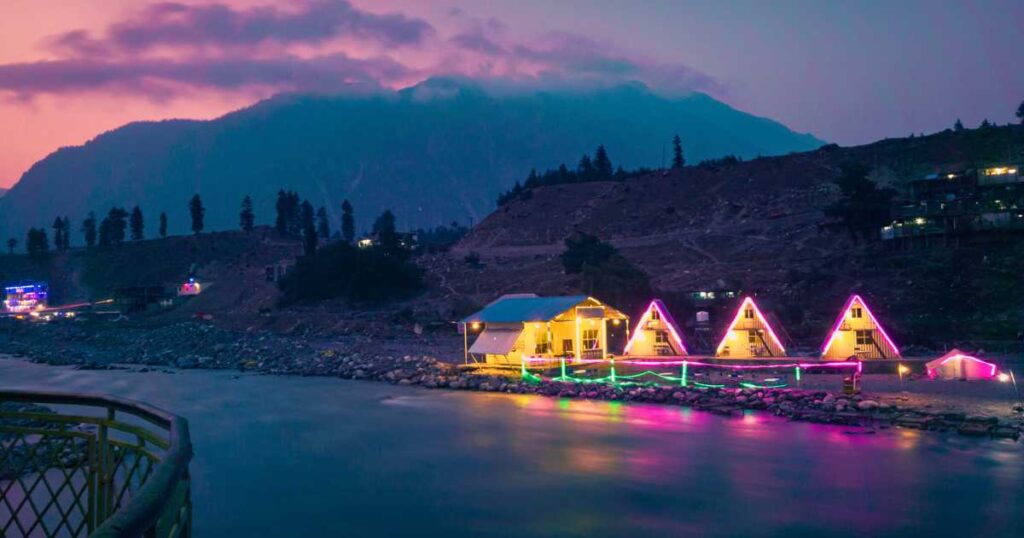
433 153
755 226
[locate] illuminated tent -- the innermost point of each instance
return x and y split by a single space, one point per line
749 335
657 334
519 326
857 333
957 365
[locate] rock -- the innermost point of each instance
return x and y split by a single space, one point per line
828 399
867 405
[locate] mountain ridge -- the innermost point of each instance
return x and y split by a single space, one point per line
434 152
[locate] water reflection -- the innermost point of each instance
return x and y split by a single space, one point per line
323 457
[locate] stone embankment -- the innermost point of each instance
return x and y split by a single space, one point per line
192 345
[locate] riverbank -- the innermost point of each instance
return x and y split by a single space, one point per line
968 408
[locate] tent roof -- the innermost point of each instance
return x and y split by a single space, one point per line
959 356
517 308
666 316
854 299
496 341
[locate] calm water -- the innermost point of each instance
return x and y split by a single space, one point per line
279 456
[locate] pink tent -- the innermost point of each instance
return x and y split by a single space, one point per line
957 365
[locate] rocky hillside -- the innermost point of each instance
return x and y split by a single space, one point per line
757 226
433 153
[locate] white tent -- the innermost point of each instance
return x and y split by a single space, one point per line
958 365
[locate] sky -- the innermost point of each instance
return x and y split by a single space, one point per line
849 72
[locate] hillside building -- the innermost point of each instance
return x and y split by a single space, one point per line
749 335
521 326
857 333
959 202
26 297
656 334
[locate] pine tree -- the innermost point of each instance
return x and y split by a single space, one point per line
585 170
163 224
677 153
348 222
384 228
58 233
958 126
197 211
66 244
309 238
281 207
136 223
246 218
294 215
116 224
603 168
323 226
11 243
985 124
36 243
1020 112
89 230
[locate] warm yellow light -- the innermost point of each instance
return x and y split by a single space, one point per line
476 325
592 322
950 176
615 322
1003 377
919 221
904 369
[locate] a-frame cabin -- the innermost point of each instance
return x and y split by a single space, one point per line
857 333
657 334
749 335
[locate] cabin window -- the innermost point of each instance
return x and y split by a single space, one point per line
748 313
856 313
864 338
543 348
661 337
655 314
567 345
590 339
752 336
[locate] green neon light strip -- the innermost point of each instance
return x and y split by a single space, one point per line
625 380
756 386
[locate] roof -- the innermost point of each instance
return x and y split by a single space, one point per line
517 308
496 341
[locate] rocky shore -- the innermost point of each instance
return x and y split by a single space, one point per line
195 345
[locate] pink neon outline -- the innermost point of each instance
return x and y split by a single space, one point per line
764 320
646 362
842 315
645 318
992 373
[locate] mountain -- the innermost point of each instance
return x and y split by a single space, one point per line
435 152
3 191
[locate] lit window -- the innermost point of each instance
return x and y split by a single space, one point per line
590 339
856 313
748 313
655 314
567 345
864 338
752 336
661 337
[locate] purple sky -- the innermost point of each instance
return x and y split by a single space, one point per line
847 71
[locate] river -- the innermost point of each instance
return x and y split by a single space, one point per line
292 456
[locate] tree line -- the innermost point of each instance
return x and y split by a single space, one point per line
589 169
